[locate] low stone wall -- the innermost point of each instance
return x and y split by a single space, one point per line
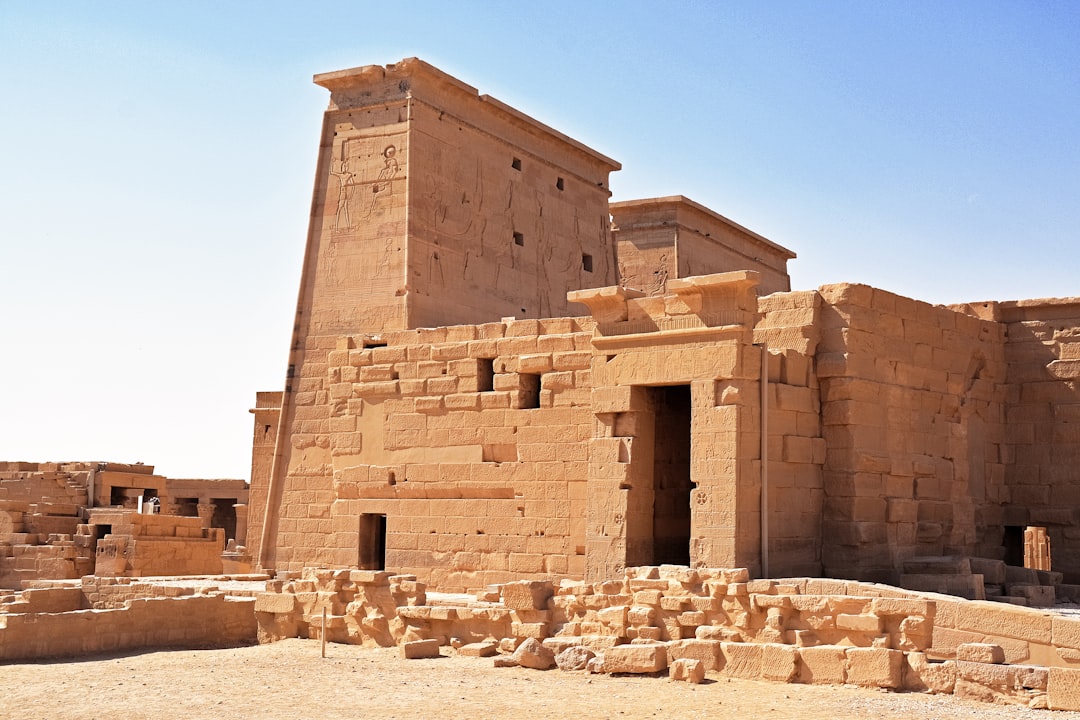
63 622
793 630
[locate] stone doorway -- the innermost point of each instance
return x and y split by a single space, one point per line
671 475
372 555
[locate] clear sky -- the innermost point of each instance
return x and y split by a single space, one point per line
156 167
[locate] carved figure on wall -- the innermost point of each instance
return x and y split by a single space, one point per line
345 185
658 283
383 185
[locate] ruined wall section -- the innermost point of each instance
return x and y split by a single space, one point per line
912 399
788 328
470 440
39 515
57 483
148 545
1042 350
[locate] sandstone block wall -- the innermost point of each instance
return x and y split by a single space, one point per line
39 516
469 455
1042 352
55 483
912 400
471 440
142 623
147 545
788 327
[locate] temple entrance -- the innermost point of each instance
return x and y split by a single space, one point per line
671 475
372 542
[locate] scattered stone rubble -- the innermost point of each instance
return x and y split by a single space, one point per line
691 621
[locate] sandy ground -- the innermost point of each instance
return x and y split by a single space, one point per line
290 680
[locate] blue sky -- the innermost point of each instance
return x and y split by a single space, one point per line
156 167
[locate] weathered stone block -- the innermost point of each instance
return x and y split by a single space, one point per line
479 649
275 602
687 670
576 657
825 665
778 662
635 659
418 649
533 654
980 653
741 660
875 667
526 594
921 675
705 651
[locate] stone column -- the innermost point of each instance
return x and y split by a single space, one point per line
241 523
206 514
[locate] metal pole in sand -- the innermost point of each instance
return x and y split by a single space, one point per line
324 632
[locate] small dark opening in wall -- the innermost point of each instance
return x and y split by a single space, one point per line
559 184
519 239
516 163
485 374
1013 540
371 343
529 391
586 262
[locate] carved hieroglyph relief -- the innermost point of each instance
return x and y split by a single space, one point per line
365 171
365 174
636 275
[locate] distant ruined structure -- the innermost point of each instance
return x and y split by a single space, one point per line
64 521
498 374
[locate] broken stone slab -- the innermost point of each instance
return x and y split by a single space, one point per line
479 649
418 649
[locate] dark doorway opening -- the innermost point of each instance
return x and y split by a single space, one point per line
372 542
187 507
100 531
225 516
671 475
1013 540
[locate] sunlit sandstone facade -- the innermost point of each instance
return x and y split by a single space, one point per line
496 373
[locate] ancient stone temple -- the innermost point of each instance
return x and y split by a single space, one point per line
496 374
